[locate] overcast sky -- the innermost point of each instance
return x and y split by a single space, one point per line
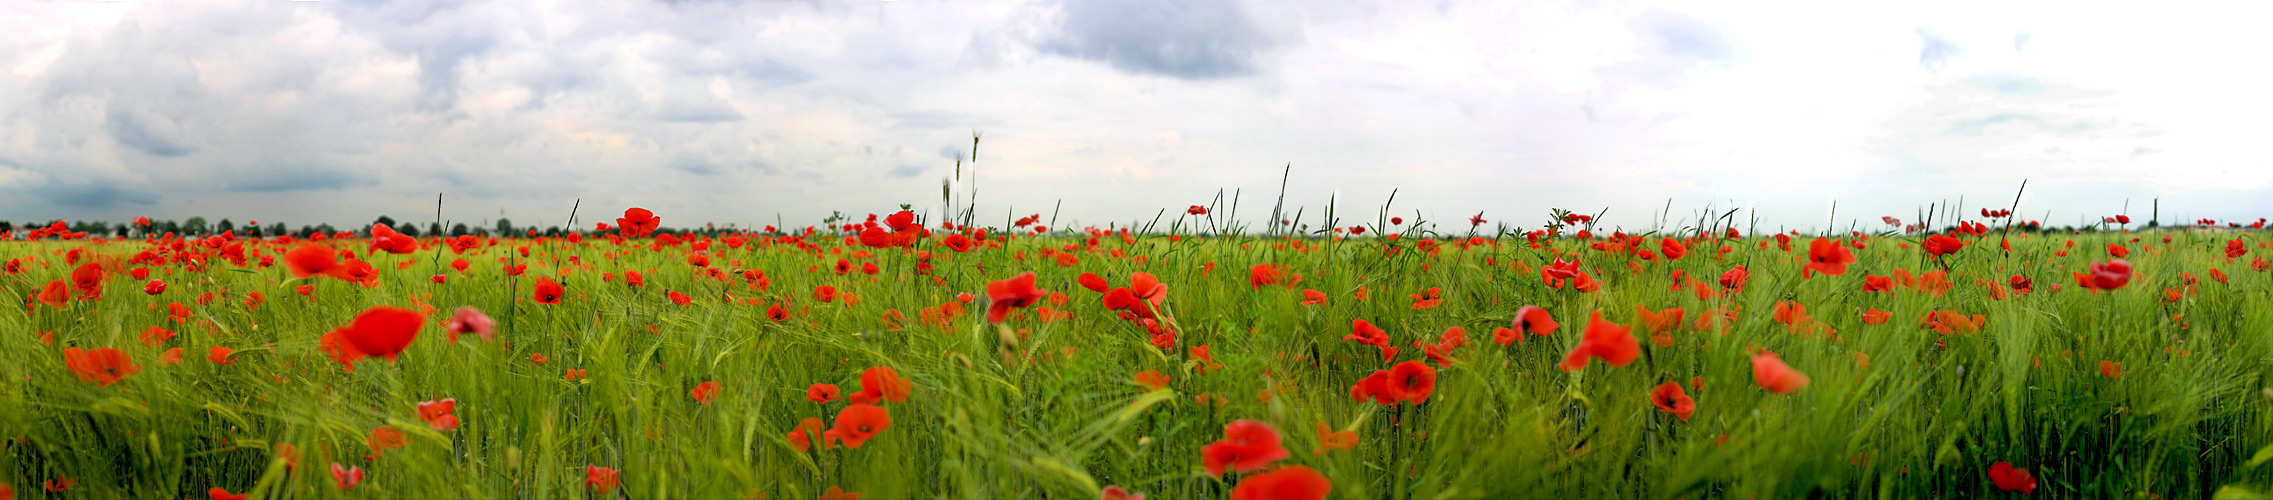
718 111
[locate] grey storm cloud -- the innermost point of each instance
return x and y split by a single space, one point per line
293 176
156 135
1934 49
1203 39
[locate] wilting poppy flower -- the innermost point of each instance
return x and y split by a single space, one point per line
858 423
1612 342
470 320
881 384
1411 381
345 478
703 392
548 291
102 365
601 480
1828 257
439 413
1247 446
1670 398
1775 376
638 222
1293 482
2007 478
1009 294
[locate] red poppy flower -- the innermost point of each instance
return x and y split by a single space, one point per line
220 355
1941 244
219 493
88 279
2108 275
1671 249
1775 376
2007 478
1009 294
154 287
548 291
56 294
601 480
679 298
1293 482
1670 398
1196 210
703 392
439 413
1153 379
1365 333
382 331
1247 446
470 320
1119 493
1093 282
825 293
345 478
2110 369
638 222
821 393
311 260
1828 257
1612 342
858 423
1329 440
1875 317
102 365
801 438
1411 381
881 383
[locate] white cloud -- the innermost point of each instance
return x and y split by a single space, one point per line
730 112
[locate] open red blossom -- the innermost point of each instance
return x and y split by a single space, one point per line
704 392
548 291
1775 376
1827 256
1612 342
1010 294
382 331
439 413
881 384
601 480
1364 332
2008 478
311 260
1293 482
1670 398
2108 275
1411 381
821 393
1247 446
858 423
345 477
470 320
638 222
101 365
1941 244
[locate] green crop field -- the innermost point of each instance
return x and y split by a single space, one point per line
622 362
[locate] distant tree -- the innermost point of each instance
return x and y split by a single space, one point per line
6 226
193 225
278 229
434 228
326 229
504 226
410 230
119 230
97 227
389 221
169 226
458 230
552 231
224 226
